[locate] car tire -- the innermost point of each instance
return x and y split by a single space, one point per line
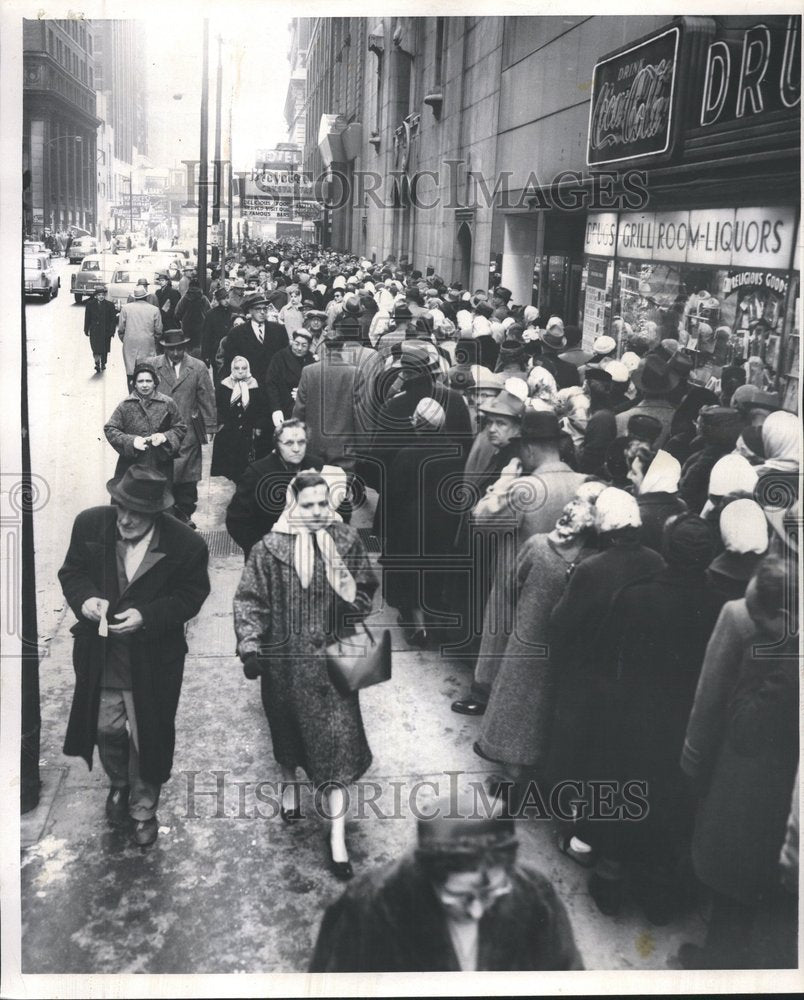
55 292
78 298
47 294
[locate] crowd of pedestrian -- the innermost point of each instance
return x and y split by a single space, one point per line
607 547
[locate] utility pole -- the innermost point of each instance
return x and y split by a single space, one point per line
130 201
231 179
216 205
203 175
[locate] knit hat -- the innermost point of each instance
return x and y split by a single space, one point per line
644 427
688 541
618 371
631 361
720 425
429 413
743 527
604 345
616 509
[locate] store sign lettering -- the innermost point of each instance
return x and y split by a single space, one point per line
755 279
761 71
722 237
600 237
632 99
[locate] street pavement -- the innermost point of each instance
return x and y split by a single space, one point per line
227 887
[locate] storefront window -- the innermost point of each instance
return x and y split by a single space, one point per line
720 316
790 384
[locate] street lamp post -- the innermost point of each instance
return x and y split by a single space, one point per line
204 164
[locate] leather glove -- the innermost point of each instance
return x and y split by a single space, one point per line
251 666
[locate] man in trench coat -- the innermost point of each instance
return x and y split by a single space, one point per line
133 576
187 381
138 327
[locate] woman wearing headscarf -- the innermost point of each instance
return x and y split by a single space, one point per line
718 427
578 625
659 627
243 415
572 407
420 522
744 534
301 582
781 441
542 385
517 725
658 499
146 428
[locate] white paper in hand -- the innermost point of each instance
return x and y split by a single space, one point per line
103 626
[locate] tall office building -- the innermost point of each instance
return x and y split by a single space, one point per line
59 125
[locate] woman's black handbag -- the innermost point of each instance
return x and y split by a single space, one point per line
359 661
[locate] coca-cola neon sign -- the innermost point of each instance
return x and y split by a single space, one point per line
631 111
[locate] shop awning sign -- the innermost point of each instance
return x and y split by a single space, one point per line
631 111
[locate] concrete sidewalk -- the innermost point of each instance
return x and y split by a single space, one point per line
224 890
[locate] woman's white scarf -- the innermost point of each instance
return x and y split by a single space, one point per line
240 386
337 573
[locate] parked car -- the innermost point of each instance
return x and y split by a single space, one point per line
124 281
81 247
96 269
34 246
40 276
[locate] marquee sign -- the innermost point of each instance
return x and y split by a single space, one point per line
631 111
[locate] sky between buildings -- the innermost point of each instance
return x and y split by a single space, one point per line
255 73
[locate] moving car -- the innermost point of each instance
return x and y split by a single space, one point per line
40 276
96 269
124 281
81 247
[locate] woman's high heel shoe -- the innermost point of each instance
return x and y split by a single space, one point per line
290 815
342 870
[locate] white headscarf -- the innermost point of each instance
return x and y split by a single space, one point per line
616 509
291 523
240 386
781 438
743 527
662 475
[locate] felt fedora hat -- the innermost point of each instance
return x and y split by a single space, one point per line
142 489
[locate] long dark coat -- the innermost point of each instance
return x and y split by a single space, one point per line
242 341
190 312
588 667
740 825
216 326
312 725
235 444
135 417
284 373
168 590
390 920
517 725
100 323
420 522
259 497
655 509
167 299
660 628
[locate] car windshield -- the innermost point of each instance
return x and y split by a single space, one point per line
90 265
33 263
121 277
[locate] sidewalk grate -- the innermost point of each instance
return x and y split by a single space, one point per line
220 543
371 541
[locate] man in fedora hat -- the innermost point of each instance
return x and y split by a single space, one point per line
149 296
656 381
552 343
257 340
187 381
133 576
139 326
100 322
167 298
458 902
